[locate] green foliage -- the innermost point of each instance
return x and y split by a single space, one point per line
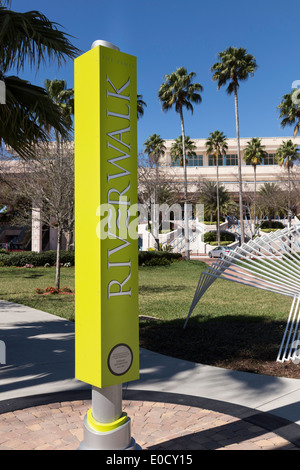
268 230
158 261
214 222
36 259
273 224
155 258
221 244
29 38
209 237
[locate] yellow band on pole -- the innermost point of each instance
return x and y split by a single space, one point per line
105 427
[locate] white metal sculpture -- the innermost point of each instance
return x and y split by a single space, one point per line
270 262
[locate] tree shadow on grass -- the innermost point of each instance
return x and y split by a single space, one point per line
234 342
33 276
158 289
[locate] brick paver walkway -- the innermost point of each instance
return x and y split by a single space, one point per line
155 426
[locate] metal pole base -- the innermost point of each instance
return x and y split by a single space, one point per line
117 439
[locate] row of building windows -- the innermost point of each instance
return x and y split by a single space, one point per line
225 160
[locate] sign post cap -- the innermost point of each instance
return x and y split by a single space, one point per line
100 42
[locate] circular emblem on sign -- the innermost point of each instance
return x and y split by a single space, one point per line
120 359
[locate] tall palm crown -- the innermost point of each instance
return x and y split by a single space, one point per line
176 149
155 148
216 144
179 91
254 153
289 108
29 38
287 154
235 65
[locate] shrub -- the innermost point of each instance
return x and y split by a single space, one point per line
221 244
212 237
23 258
272 224
159 261
146 256
268 230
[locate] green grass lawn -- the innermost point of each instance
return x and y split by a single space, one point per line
167 292
19 284
233 326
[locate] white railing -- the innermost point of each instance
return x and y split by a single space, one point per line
271 262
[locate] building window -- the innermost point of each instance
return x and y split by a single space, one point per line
231 160
212 160
270 159
196 160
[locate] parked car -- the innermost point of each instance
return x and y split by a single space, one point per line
220 251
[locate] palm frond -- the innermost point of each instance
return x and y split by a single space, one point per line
140 106
234 65
25 117
31 36
179 90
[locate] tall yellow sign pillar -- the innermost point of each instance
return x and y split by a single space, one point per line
106 246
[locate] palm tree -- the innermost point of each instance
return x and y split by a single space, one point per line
208 197
286 155
235 65
63 98
177 150
254 154
155 148
290 111
270 201
217 146
140 106
29 38
179 91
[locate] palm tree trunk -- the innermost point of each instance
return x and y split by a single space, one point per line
289 196
254 208
218 205
239 165
186 221
156 215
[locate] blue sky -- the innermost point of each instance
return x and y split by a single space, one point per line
167 34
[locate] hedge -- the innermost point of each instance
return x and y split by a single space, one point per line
212 237
268 230
273 224
153 258
221 244
21 258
